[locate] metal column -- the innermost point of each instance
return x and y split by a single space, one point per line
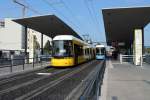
138 46
42 44
142 41
25 39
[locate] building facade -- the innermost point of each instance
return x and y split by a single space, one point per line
12 39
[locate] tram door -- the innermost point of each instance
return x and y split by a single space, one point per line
76 53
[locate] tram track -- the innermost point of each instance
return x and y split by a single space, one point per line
17 90
18 76
28 82
51 84
62 90
4 84
33 87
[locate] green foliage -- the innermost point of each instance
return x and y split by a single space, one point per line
47 47
147 50
36 43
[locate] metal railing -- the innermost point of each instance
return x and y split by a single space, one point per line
147 58
23 63
90 87
129 58
93 83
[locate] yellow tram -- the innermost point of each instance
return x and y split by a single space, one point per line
69 51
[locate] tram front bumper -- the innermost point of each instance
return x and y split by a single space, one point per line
62 62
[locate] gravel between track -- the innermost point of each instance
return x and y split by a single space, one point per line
12 94
60 91
22 79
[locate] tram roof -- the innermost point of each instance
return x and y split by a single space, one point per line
69 37
120 23
49 25
100 46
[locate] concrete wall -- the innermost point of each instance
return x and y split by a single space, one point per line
11 36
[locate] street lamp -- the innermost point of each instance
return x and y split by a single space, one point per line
23 9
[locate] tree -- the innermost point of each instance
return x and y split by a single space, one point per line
36 43
147 50
36 46
47 48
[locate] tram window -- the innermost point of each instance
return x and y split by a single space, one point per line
86 51
100 51
68 47
97 50
103 51
1 54
78 50
90 51
62 48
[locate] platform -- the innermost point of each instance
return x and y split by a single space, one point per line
126 82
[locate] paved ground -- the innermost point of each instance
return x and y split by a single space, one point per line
126 82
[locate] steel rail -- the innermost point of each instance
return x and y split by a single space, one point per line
19 77
84 88
51 84
29 82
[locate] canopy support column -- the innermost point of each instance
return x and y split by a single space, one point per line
42 44
25 39
138 47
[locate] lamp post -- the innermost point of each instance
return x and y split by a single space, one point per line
23 9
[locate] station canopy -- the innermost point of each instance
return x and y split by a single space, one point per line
120 23
49 25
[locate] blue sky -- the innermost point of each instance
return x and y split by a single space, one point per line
84 16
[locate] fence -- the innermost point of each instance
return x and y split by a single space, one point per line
93 83
129 58
147 58
90 87
13 65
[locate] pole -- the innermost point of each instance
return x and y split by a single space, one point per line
41 43
23 9
26 42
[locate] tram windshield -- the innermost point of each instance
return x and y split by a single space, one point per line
62 48
100 51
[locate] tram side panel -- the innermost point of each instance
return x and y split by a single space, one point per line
78 53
